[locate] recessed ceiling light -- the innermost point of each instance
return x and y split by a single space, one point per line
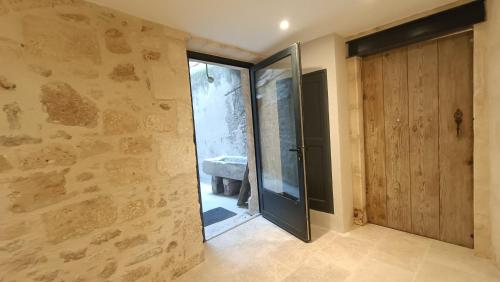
284 24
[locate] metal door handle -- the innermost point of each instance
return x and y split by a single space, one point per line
458 116
298 150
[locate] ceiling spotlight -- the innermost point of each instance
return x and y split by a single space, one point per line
284 24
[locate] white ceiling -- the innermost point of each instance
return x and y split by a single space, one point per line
254 24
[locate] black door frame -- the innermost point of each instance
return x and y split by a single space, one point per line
191 55
293 50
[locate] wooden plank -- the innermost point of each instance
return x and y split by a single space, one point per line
373 112
455 151
397 157
424 142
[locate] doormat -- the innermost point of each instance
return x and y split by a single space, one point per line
215 215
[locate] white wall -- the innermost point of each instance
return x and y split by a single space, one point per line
492 75
329 52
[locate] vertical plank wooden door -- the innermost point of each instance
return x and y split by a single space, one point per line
419 138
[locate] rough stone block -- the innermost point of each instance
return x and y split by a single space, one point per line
126 171
13 230
131 242
85 176
79 219
147 255
150 55
133 210
59 40
136 145
65 106
20 5
73 255
176 156
52 155
4 164
166 121
40 70
12 111
116 42
124 72
109 269
105 237
6 84
61 134
90 148
119 122
12 141
76 18
136 274
37 190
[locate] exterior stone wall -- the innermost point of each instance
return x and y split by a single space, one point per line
97 162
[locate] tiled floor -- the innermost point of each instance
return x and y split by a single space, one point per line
212 201
260 251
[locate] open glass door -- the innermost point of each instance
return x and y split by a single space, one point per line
279 142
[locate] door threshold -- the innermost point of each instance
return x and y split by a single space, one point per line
233 227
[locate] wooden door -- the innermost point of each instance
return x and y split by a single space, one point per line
419 138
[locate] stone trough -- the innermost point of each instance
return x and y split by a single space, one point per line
227 173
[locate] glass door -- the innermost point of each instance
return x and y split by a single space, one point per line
279 141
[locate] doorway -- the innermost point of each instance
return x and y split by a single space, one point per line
224 143
418 128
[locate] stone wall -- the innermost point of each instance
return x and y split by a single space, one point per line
97 162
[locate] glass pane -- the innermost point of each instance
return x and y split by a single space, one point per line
277 129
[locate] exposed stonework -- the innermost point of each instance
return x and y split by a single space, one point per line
126 171
90 148
40 70
85 176
53 39
77 18
116 42
109 269
37 190
65 106
105 237
21 5
61 134
73 255
124 72
12 141
136 145
118 122
131 242
6 84
52 155
4 164
150 55
12 111
79 219
136 274
88 187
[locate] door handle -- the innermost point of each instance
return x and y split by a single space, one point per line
458 116
298 150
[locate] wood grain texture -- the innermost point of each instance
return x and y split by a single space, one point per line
373 113
397 157
455 151
424 142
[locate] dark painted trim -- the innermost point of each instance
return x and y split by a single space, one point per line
218 60
436 25
196 155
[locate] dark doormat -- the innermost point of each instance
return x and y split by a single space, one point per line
215 215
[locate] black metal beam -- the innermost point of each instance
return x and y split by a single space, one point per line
218 60
436 25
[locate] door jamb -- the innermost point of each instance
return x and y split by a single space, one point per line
219 61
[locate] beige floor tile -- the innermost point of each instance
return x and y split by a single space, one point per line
434 272
260 251
402 249
378 271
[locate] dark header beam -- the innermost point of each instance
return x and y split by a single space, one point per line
218 60
426 28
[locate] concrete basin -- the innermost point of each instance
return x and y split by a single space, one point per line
231 167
